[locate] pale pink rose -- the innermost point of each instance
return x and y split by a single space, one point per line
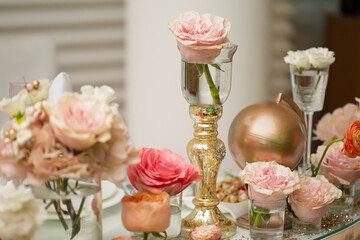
310 202
269 181
121 152
334 125
146 212
206 232
336 166
200 37
162 170
80 121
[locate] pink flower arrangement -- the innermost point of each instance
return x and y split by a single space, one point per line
79 135
334 125
200 37
310 202
269 181
336 166
162 171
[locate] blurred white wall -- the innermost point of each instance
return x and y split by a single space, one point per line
156 112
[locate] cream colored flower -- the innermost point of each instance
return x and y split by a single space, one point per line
20 213
16 105
320 57
40 94
298 59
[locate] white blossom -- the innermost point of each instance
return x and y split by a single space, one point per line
320 57
298 59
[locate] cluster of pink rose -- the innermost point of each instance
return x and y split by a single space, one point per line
269 182
340 132
79 135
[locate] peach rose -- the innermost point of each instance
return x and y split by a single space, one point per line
352 140
162 170
310 201
200 37
80 121
146 212
269 181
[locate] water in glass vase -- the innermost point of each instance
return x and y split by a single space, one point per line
267 221
79 210
308 89
206 84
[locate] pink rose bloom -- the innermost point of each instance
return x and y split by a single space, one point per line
334 125
310 202
269 181
80 121
336 166
146 212
162 170
206 232
200 37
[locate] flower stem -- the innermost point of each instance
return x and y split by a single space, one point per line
323 155
146 235
257 220
213 90
316 85
76 224
62 220
298 87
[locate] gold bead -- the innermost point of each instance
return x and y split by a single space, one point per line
6 134
36 84
12 133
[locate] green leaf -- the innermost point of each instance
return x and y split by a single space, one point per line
217 67
266 217
200 69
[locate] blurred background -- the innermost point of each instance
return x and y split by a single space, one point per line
126 44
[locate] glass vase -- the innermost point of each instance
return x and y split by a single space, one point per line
306 227
266 218
206 86
74 209
345 204
173 231
308 89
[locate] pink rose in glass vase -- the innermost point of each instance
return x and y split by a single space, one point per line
269 181
200 37
162 170
311 201
336 166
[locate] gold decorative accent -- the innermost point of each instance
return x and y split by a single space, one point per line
205 150
36 84
268 131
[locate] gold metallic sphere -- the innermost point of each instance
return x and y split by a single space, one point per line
268 131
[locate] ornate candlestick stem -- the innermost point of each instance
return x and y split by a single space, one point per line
206 151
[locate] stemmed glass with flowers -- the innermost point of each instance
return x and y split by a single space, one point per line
309 71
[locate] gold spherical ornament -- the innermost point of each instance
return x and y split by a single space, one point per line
268 131
36 84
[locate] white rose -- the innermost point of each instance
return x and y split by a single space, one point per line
104 93
20 213
299 59
15 105
320 57
40 94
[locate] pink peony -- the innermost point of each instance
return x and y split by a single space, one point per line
310 201
146 212
334 125
162 170
80 121
269 181
336 166
200 37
